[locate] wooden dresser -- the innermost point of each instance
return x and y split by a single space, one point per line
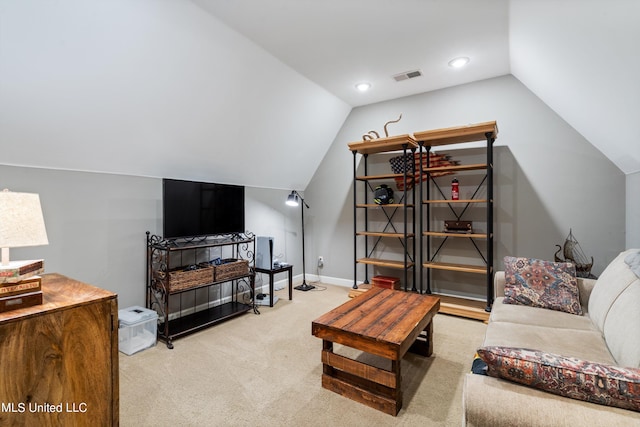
59 360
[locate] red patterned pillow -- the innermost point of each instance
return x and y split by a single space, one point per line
544 284
566 376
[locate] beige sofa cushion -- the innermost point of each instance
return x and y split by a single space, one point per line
494 402
525 315
622 327
583 344
612 282
613 308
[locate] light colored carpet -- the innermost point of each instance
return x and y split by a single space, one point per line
264 370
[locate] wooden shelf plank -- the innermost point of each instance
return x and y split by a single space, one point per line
390 205
382 145
383 234
458 134
445 234
456 168
447 201
479 269
383 176
385 263
463 307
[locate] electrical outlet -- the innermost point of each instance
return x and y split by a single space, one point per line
320 262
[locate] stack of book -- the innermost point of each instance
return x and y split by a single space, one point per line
20 285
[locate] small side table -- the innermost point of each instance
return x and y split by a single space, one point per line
273 272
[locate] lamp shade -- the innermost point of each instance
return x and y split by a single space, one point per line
292 200
21 220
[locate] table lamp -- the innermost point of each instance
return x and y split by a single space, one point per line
21 224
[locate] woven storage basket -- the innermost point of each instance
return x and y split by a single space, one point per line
181 280
231 268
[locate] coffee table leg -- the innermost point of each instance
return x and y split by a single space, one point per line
397 391
423 345
375 387
327 346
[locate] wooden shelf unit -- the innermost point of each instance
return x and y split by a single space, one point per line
427 140
405 145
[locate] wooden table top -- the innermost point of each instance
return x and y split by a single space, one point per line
58 293
380 321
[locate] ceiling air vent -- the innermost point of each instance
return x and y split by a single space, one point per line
408 75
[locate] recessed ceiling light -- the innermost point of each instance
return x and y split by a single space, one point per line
459 62
363 87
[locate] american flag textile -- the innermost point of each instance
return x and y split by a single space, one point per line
436 160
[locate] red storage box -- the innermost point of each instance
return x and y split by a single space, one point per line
386 282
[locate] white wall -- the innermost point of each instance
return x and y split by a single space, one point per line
96 225
268 215
548 178
563 52
157 88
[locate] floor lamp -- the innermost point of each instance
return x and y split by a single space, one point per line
292 200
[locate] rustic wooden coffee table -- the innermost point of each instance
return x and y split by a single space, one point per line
383 322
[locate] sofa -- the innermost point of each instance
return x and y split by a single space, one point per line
606 334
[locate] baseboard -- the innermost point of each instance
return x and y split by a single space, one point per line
313 278
338 281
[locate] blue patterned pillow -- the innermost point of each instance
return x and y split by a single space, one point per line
544 284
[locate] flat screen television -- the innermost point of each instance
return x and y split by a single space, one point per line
192 208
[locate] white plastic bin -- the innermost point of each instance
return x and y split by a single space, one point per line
137 329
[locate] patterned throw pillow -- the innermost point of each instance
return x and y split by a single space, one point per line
565 376
544 284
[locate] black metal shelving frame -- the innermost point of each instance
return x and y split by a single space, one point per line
406 205
429 251
160 258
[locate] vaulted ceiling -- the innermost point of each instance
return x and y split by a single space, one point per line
339 43
254 91
581 57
